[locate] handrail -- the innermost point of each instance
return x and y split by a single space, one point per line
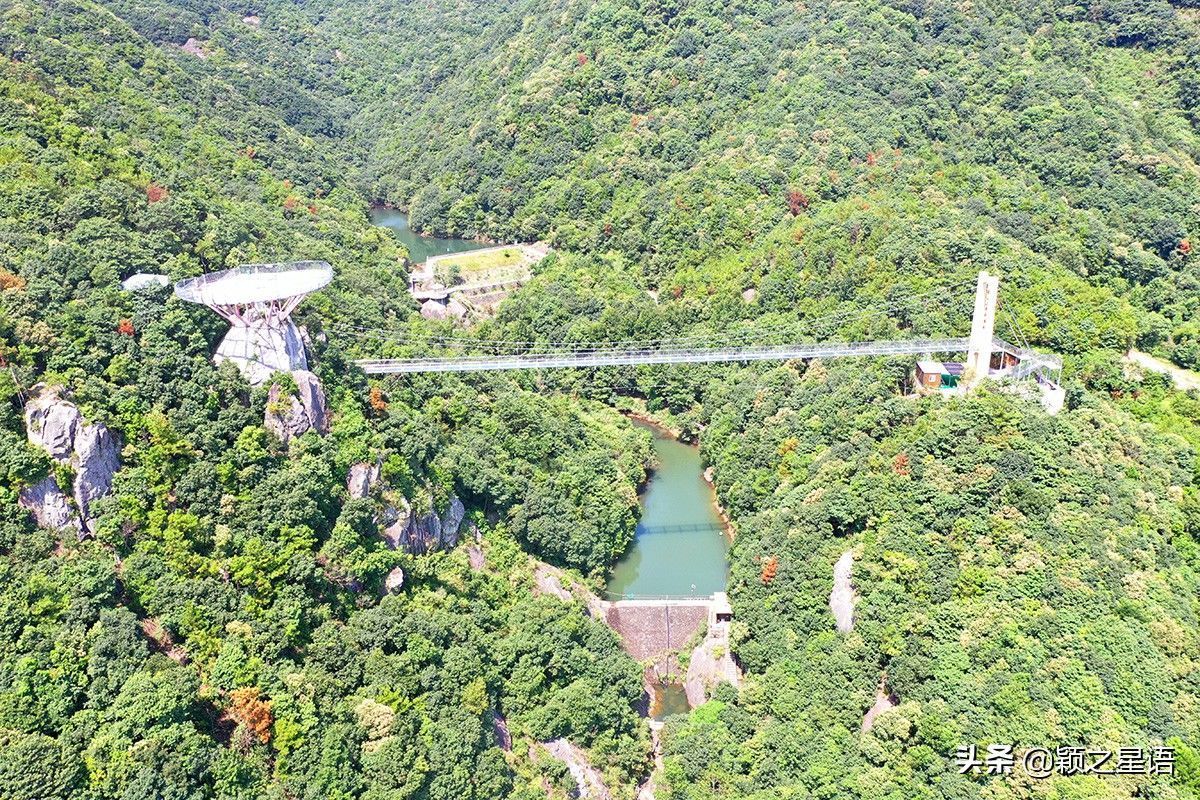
619 357
660 598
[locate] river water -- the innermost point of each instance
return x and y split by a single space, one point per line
681 547
419 247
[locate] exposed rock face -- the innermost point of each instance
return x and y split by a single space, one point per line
587 778
195 47
56 426
547 582
453 518
363 477
842 598
98 457
290 416
884 701
476 558
49 505
425 533
500 731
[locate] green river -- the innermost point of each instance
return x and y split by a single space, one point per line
681 546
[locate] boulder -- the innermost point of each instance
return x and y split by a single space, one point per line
456 309
394 581
363 477
312 397
432 309
51 423
56 426
49 506
396 517
291 416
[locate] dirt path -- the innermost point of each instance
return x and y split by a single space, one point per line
1184 379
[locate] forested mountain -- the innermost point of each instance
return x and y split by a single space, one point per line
705 169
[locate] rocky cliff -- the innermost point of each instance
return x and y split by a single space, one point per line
413 533
55 425
49 505
289 416
425 533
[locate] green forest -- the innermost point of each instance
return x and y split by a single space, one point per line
237 620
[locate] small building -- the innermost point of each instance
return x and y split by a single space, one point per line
929 374
720 609
1003 360
938 374
952 373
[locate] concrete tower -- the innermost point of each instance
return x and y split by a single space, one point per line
983 325
257 300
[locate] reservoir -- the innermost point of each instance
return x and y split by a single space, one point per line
419 247
681 547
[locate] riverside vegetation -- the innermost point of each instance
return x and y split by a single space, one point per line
700 168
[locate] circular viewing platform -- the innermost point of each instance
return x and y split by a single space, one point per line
256 284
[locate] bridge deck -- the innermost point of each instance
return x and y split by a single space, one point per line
612 358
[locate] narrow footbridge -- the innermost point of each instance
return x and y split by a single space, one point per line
604 357
698 527
489 356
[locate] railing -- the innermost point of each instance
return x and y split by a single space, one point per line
664 599
613 358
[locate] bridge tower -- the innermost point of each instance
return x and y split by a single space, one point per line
983 326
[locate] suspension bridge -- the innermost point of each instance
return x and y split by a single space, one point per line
1017 361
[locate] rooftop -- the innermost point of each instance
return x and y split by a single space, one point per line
927 366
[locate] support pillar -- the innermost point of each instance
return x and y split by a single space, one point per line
983 326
